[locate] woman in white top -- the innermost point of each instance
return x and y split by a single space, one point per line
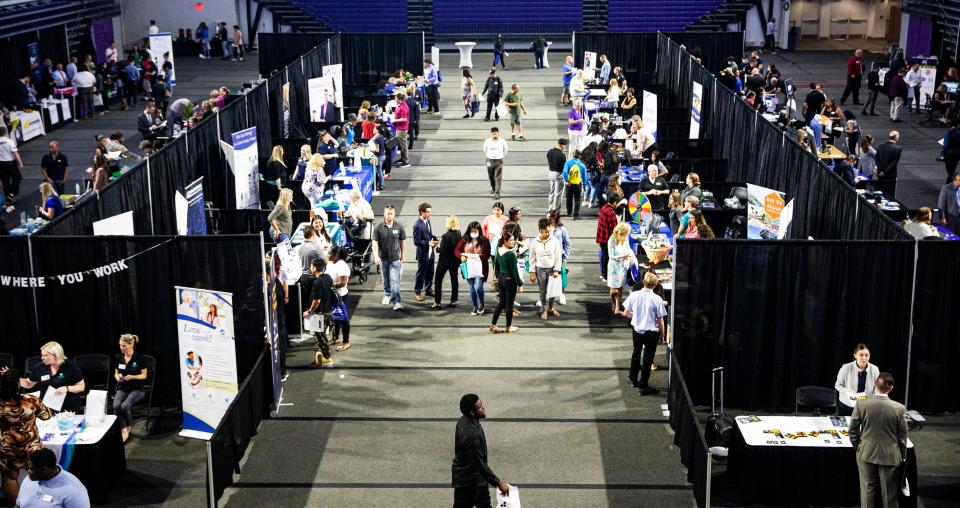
467 92
546 256
314 180
613 93
339 271
855 380
922 225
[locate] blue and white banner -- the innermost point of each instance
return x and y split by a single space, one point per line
246 165
196 211
696 113
208 358
649 115
161 45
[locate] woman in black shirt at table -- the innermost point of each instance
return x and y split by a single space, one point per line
130 372
58 373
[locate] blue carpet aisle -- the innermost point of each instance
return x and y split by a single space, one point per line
377 429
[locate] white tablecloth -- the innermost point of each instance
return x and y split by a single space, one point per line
796 431
55 440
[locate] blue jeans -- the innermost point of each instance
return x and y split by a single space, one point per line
205 45
476 291
226 49
122 402
282 237
391 279
379 177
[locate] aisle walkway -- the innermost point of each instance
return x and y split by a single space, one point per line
377 430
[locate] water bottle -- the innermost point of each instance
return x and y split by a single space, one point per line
76 187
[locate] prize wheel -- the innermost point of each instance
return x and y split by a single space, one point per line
640 207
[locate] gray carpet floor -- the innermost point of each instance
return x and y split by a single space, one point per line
377 430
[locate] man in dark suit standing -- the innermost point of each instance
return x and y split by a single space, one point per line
414 128
878 433
471 474
948 204
888 157
148 123
424 242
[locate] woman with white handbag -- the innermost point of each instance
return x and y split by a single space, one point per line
546 257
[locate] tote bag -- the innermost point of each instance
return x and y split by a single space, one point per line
501 109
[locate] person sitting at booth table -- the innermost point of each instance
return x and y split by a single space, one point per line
130 372
855 380
359 209
58 373
52 206
18 428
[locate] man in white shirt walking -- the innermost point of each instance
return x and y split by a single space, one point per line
646 312
914 80
495 149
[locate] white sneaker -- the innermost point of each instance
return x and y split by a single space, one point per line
398 306
539 304
562 300
386 300
202 57
376 193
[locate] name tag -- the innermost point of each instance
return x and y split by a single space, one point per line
396 232
45 377
122 367
47 498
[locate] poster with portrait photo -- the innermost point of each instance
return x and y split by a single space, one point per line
335 72
321 93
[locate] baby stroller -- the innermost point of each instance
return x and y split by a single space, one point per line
357 251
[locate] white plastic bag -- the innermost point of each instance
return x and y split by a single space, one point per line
554 287
511 500
501 108
474 266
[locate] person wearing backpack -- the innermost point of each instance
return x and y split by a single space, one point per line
573 174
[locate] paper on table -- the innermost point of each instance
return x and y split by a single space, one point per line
52 400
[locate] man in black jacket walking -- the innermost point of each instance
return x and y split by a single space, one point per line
471 474
494 90
873 87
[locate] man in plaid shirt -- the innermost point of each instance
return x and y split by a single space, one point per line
606 222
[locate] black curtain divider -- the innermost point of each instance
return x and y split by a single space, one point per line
634 52
688 435
278 50
299 100
235 222
275 103
88 316
203 144
258 108
334 48
935 349
368 58
711 48
170 172
784 314
125 194
240 423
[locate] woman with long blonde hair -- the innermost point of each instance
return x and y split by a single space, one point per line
276 170
281 218
52 206
314 179
622 258
305 154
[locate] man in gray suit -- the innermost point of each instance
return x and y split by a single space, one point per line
948 204
878 432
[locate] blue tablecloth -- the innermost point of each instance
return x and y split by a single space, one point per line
346 177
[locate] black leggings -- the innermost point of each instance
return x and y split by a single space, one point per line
508 293
342 328
443 268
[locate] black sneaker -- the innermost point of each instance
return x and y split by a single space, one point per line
648 391
633 384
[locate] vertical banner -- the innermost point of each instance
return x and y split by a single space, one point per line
928 76
696 105
764 211
321 94
285 91
273 325
435 56
196 209
161 45
33 52
649 115
246 162
335 72
208 358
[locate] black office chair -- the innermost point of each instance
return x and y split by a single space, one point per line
29 364
675 178
149 363
6 360
96 370
816 397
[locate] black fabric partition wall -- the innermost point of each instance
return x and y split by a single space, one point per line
368 58
688 435
203 144
784 314
277 50
935 350
170 173
88 316
258 109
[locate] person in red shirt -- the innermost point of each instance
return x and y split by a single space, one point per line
401 121
854 77
606 221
